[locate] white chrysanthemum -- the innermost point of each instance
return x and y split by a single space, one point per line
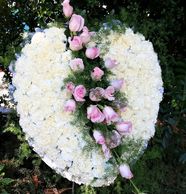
40 72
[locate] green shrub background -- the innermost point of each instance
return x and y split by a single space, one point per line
162 168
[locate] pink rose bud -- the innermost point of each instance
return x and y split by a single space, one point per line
92 53
76 23
117 84
67 8
94 114
77 64
79 93
98 137
96 94
125 171
97 74
70 106
124 127
85 35
75 43
114 140
70 87
106 151
109 93
110 115
110 63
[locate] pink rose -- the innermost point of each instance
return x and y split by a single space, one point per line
106 151
85 35
70 106
114 140
92 53
97 73
70 87
94 114
110 115
75 43
124 127
109 93
117 84
110 63
125 171
77 64
76 23
96 94
67 8
98 137
79 93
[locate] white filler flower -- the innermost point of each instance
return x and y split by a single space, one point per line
40 71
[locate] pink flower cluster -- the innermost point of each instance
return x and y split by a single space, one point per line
76 24
114 141
107 115
80 36
97 113
96 94
78 93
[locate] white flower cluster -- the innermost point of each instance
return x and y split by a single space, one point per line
5 97
40 71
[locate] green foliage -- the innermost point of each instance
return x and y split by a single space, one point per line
24 150
87 190
162 167
10 29
4 182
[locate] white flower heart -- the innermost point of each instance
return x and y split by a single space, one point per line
40 71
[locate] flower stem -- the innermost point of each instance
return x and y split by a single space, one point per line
117 157
135 187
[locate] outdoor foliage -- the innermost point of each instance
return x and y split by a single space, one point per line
162 167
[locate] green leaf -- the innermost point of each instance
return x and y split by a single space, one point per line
4 192
1 167
6 181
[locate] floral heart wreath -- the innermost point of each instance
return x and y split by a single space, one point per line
88 103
